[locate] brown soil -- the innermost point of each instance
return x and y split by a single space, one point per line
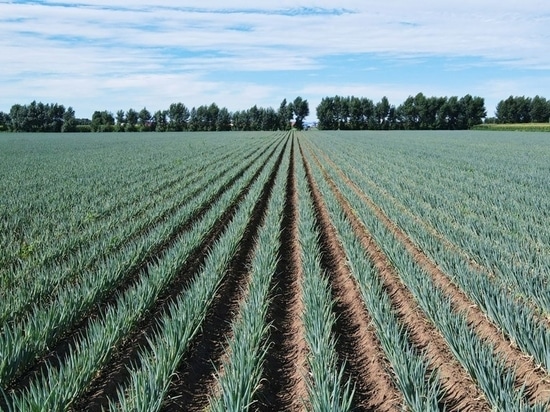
194 380
357 342
536 380
283 387
461 393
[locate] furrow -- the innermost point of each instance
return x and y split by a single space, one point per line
357 343
195 376
536 381
460 391
282 386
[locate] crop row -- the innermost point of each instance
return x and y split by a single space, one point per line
476 356
22 342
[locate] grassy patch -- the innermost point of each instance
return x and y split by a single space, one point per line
515 127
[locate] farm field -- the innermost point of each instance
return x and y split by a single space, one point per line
515 127
262 271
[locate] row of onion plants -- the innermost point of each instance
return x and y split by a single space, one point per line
23 341
497 219
241 371
114 236
327 388
158 362
487 369
520 322
60 386
420 387
84 187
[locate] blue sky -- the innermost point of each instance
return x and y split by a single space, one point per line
115 54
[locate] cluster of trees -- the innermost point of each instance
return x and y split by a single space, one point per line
415 113
346 113
39 117
521 109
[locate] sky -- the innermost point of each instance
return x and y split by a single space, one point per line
120 54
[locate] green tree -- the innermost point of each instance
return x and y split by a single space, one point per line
18 116
69 120
5 122
472 111
383 111
120 121
102 121
539 110
179 116
211 117
160 121
326 115
301 111
514 110
144 120
285 115
449 114
270 119
131 120
223 121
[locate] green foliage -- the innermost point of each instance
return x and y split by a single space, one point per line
36 117
327 388
301 111
415 113
158 363
452 207
102 121
514 127
521 109
242 369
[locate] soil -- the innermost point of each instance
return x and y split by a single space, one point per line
283 387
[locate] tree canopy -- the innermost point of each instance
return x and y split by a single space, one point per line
417 112
521 109
39 117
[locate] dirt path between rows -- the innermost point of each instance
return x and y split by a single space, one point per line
461 394
195 379
536 380
357 343
283 386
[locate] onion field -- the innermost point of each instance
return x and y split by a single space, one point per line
275 271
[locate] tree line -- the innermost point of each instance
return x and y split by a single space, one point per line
521 109
40 117
417 112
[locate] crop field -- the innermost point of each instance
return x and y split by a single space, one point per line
275 271
515 127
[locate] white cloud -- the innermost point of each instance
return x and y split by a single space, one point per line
106 49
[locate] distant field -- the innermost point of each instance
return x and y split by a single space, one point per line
516 127
287 271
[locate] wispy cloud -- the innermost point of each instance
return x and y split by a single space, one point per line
117 54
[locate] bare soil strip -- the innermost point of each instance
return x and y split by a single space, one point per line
461 392
283 387
537 382
195 380
107 380
357 342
